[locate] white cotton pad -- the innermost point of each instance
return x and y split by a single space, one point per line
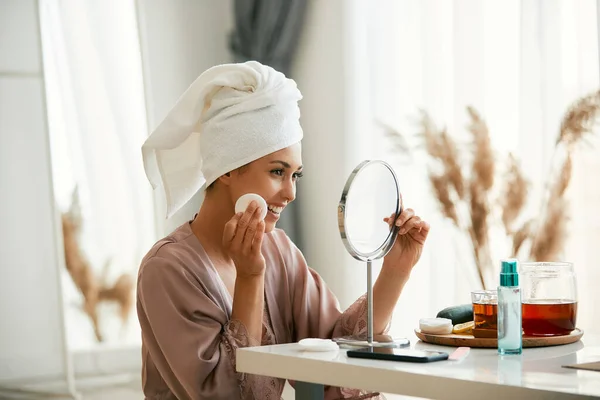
436 326
311 344
242 203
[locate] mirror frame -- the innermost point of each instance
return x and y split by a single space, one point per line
386 246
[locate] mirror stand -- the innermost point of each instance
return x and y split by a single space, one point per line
369 302
380 340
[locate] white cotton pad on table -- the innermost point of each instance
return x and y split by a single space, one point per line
436 326
244 201
311 344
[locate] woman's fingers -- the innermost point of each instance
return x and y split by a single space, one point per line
230 228
242 238
389 220
405 216
258 237
243 234
408 221
424 227
413 223
242 225
251 231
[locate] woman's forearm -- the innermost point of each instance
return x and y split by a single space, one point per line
248 303
386 292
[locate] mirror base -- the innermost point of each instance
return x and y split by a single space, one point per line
379 341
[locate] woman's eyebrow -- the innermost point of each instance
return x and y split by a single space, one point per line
285 164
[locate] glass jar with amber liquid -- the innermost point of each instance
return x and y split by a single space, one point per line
549 298
485 313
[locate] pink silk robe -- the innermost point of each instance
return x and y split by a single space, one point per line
188 336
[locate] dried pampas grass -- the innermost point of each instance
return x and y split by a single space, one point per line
483 155
552 233
452 166
455 190
520 236
547 241
441 189
442 148
478 229
514 195
579 119
466 190
93 290
479 212
563 179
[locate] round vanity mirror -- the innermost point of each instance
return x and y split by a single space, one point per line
371 194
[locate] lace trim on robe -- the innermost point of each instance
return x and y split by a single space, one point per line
252 387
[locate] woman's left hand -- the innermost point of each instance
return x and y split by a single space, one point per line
409 243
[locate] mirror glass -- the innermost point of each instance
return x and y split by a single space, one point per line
371 194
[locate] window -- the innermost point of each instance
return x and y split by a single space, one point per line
97 123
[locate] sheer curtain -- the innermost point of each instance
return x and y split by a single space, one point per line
520 64
97 123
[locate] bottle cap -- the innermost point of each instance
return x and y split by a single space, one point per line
509 275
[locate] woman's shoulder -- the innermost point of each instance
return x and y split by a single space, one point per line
174 251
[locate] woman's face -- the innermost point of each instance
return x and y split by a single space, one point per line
273 177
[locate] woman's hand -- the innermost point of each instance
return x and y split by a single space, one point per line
409 243
397 265
242 240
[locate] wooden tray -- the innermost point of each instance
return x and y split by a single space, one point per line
470 341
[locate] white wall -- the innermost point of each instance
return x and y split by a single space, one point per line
179 39
31 339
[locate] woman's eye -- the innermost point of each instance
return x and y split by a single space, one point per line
281 172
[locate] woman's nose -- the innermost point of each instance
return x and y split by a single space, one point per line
289 190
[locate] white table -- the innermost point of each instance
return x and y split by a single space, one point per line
536 374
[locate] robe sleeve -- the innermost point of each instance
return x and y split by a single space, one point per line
186 334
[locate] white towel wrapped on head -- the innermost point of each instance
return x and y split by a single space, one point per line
231 115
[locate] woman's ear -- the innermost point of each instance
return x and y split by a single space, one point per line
225 179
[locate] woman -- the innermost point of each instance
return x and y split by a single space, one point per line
225 280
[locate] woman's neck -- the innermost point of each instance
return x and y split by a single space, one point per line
209 224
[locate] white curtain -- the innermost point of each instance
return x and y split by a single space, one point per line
97 124
520 64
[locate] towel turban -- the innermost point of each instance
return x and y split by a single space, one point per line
232 114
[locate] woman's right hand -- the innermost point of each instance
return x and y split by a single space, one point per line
242 239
